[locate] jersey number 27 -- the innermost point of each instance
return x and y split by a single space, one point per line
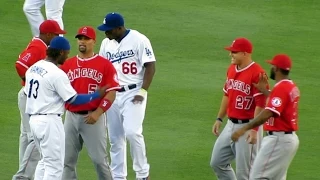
33 88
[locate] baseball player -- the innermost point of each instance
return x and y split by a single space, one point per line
35 51
131 54
241 102
87 123
32 10
47 89
280 119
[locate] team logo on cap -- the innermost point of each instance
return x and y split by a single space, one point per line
276 102
84 30
104 21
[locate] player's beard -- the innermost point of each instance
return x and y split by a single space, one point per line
82 48
272 74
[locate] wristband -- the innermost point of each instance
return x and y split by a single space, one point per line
105 104
219 119
142 92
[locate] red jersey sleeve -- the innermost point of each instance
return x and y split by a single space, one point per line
27 59
277 101
225 87
259 98
111 79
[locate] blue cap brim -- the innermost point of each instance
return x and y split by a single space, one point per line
104 27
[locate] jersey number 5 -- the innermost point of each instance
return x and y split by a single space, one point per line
129 68
33 83
244 102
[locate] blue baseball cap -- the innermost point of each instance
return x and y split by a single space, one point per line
111 21
60 43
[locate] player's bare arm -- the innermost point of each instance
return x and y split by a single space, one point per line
221 114
105 104
256 122
147 79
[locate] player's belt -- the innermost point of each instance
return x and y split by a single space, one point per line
239 121
82 112
279 132
39 114
127 88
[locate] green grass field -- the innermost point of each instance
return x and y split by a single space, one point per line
188 39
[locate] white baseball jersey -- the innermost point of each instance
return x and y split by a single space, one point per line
47 88
129 56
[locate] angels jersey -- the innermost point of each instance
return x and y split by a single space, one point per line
35 51
283 102
86 75
128 56
47 88
243 97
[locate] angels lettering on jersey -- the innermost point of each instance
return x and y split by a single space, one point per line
86 73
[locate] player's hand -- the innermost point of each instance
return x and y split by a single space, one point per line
262 83
237 134
216 127
137 99
92 117
252 137
102 91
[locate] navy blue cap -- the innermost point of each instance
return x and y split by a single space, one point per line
111 21
60 43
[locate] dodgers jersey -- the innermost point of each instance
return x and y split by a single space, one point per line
128 56
47 88
283 102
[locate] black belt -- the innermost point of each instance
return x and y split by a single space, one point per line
239 121
39 114
83 112
131 86
284 132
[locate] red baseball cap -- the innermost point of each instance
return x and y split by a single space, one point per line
87 31
281 61
51 26
240 45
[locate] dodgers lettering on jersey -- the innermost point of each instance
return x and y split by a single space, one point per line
283 102
129 56
243 97
47 88
86 75
35 51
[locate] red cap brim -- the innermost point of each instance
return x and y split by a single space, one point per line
231 49
269 62
61 32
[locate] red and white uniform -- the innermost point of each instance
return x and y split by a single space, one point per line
280 145
243 96
283 102
86 75
35 51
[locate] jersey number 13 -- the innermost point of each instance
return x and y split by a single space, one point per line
33 88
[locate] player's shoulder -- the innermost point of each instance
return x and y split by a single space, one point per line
231 68
257 67
37 43
137 35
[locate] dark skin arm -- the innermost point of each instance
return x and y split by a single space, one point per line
147 79
257 121
93 117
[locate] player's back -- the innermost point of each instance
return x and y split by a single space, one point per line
35 51
41 89
128 56
285 98
240 90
